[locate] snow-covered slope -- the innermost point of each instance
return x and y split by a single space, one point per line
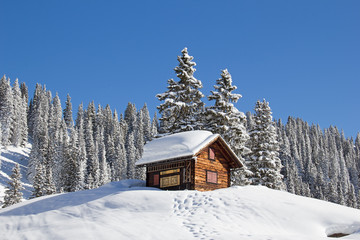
9 156
127 210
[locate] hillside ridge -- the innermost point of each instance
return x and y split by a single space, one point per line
128 210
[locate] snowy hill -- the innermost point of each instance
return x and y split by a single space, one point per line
127 210
9 156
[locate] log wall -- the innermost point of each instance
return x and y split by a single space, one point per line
219 165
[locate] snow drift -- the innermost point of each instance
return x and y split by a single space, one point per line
128 210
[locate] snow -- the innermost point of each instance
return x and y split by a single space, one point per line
9 156
177 145
128 210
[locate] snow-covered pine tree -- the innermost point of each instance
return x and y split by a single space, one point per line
6 110
57 141
103 165
146 122
131 156
19 113
33 106
225 119
13 192
24 92
68 113
39 182
182 107
263 162
120 165
130 116
70 170
81 160
140 172
154 125
91 153
40 135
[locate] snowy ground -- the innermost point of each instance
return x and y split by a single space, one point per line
127 210
9 156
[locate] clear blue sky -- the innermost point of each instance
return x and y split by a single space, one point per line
301 56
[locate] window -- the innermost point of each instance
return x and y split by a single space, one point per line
170 181
211 177
211 154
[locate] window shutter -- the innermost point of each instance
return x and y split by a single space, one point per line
156 179
211 154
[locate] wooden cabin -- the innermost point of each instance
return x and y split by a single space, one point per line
194 160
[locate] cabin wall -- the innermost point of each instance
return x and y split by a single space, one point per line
219 165
171 176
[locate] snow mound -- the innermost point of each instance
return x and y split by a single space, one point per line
176 145
127 210
342 230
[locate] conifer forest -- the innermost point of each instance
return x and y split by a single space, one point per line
84 149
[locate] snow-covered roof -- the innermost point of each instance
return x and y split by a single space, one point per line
178 145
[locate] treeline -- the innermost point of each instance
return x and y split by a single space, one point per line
100 147
97 147
319 164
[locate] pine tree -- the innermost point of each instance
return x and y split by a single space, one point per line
68 113
92 171
6 110
146 123
81 147
49 185
154 125
225 119
103 166
13 192
70 170
131 156
19 116
39 182
130 116
263 162
140 172
40 134
182 107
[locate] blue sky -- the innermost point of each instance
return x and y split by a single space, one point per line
301 56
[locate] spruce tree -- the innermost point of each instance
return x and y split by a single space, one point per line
225 119
13 192
263 162
6 110
19 116
92 171
68 113
81 147
154 125
39 182
146 123
131 156
182 107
